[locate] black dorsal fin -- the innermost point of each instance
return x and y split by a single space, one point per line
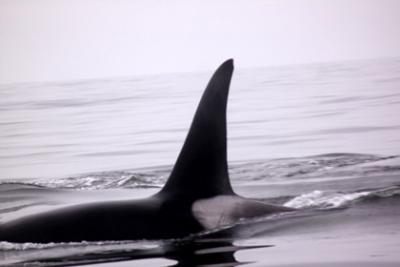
201 169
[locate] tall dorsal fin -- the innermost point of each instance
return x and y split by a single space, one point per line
201 169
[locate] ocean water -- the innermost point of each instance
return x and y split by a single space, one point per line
322 138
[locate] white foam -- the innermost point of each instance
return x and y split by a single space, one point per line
323 199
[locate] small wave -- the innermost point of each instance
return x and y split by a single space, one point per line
320 167
7 246
102 181
74 253
390 192
323 199
93 181
27 246
332 200
326 166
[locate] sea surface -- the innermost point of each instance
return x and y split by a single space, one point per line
322 138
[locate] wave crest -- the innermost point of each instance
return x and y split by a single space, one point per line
329 200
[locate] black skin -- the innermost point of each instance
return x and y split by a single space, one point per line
157 217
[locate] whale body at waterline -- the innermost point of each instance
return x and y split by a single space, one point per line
197 195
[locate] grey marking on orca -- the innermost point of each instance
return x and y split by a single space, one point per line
197 195
227 209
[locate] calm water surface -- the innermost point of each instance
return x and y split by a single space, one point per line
323 138
58 129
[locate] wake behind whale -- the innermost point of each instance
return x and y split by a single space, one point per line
197 196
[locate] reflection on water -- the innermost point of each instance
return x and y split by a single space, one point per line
209 253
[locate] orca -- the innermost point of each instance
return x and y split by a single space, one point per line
197 196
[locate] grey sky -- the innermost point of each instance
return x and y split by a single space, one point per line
44 40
